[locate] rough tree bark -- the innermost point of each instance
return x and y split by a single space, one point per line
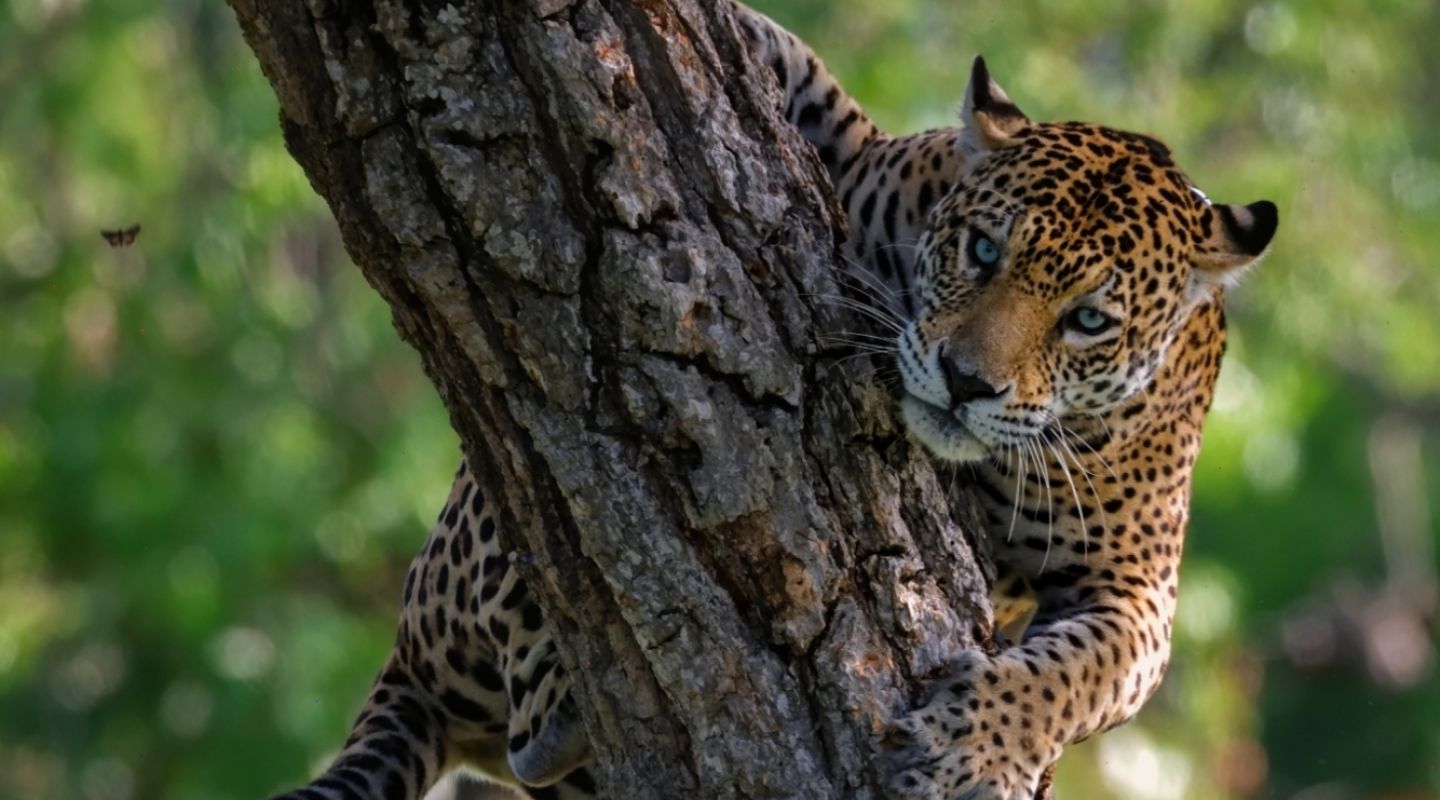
612 256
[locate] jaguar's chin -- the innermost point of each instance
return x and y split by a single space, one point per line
940 431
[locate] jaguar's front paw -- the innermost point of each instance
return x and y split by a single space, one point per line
911 760
970 742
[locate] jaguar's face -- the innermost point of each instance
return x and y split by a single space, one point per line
1055 276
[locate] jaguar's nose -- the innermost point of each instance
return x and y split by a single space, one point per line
964 386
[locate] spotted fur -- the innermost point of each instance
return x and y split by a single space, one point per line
474 681
1056 290
985 248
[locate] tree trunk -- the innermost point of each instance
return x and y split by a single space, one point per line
614 259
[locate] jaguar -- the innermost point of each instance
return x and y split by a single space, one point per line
1057 292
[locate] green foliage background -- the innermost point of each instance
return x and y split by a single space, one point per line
216 457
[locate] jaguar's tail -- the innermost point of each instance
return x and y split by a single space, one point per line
396 749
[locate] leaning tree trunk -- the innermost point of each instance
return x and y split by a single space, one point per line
614 259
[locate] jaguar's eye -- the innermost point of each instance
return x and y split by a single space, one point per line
983 250
1089 321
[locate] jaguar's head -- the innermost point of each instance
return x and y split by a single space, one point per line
1053 279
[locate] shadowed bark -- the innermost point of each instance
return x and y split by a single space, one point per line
614 259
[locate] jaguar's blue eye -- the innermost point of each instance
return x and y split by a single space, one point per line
983 250
1089 321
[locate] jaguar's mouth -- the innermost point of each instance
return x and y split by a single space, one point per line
941 430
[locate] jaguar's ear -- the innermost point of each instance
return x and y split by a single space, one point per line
1231 237
992 120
